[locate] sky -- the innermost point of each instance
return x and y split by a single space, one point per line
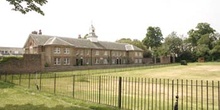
112 19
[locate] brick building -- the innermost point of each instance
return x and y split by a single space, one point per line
63 51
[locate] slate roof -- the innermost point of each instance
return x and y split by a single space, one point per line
44 40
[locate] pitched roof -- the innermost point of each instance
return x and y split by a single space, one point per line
80 43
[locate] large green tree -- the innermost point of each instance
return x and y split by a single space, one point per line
153 37
202 40
196 34
25 6
173 43
153 40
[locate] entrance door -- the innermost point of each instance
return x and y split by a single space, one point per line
77 62
81 61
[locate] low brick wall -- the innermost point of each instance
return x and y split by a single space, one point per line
28 64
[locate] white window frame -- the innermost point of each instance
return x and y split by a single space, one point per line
96 61
66 61
124 54
56 50
66 51
105 61
57 61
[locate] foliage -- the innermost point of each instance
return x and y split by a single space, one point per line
134 42
25 6
173 43
183 62
6 59
153 37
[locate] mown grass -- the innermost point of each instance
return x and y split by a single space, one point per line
16 98
192 71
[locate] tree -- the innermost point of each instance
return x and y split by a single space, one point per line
25 6
153 40
201 40
153 37
173 43
201 29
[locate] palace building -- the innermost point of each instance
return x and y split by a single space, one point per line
64 51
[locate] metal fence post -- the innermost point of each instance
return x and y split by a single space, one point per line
29 80
54 83
5 77
100 89
73 86
40 80
119 91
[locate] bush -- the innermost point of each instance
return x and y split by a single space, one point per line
183 62
6 59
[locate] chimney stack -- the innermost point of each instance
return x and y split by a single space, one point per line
34 32
79 37
40 32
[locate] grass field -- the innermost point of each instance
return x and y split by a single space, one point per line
193 71
142 86
13 97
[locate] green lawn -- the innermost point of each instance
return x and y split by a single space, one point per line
17 98
193 71
86 87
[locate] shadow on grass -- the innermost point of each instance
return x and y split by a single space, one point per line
58 107
4 85
39 107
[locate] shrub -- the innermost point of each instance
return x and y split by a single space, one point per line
6 59
183 62
46 65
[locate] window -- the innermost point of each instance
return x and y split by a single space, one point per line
57 50
124 61
96 52
113 61
66 51
124 54
106 53
81 52
66 61
136 54
136 61
57 61
87 52
96 61
113 53
140 54
77 52
140 60
105 61
87 61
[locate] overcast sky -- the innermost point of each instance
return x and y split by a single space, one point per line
112 19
